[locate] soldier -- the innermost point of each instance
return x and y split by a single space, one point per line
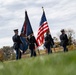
48 42
64 40
17 42
32 42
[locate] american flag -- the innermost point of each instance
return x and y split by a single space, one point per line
43 28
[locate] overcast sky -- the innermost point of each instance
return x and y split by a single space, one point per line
59 13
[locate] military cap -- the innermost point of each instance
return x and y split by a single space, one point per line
62 30
15 30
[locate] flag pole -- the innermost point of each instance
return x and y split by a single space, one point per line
25 13
38 49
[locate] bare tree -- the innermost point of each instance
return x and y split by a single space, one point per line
71 35
55 39
8 53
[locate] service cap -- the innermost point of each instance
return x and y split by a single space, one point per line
62 30
15 30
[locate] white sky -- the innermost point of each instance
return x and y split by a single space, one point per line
59 13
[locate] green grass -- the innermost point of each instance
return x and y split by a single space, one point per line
52 64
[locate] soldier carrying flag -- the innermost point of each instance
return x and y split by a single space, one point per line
44 28
27 30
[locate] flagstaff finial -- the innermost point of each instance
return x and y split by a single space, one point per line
43 8
25 11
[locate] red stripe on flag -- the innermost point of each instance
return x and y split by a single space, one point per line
24 28
42 30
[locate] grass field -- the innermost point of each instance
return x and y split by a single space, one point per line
52 64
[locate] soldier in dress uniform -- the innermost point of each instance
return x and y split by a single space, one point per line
48 42
64 40
17 42
32 43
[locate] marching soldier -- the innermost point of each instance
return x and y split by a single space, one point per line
64 40
48 42
17 42
32 42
